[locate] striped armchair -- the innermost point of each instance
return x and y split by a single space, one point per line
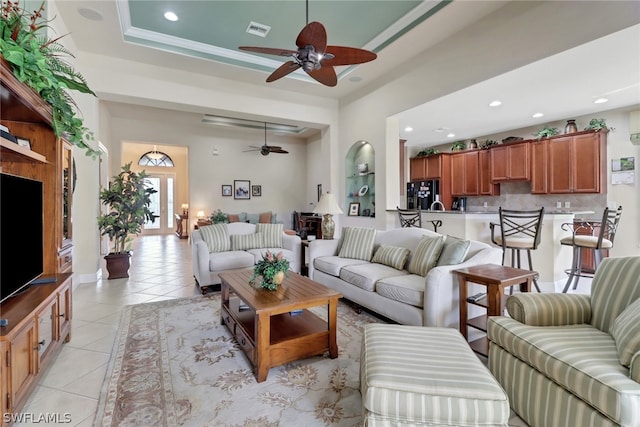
568 359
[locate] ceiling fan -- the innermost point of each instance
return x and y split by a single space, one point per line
314 56
266 149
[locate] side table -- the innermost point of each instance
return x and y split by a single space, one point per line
496 278
304 267
181 229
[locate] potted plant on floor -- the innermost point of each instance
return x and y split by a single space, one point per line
128 198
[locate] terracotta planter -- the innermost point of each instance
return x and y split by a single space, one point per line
118 265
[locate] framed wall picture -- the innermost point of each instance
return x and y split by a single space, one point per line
226 190
241 189
256 190
354 209
23 142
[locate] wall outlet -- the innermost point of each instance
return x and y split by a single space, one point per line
567 205
484 205
558 205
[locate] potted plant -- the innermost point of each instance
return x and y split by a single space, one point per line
546 132
218 217
39 62
128 198
598 125
427 152
458 146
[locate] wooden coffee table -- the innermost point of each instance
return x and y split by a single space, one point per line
267 330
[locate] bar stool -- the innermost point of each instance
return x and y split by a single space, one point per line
595 236
409 217
519 230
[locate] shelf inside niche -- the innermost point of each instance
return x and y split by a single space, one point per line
11 148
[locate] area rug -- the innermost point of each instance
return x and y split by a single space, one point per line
174 364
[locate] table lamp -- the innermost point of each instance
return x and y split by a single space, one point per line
185 209
327 206
200 215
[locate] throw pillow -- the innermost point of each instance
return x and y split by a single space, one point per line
426 255
357 243
454 251
216 236
271 234
393 256
242 242
264 218
626 333
253 218
233 217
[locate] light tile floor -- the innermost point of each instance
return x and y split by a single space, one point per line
160 269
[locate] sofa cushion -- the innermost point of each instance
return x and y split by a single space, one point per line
271 234
366 275
240 242
626 333
426 255
264 218
454 251
579 358
333 264
230 260
407 288
393 256
216 236
357 243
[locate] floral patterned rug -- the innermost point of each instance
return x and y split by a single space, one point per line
173 364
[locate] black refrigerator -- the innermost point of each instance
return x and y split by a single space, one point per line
421 194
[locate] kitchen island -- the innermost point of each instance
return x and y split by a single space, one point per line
549 260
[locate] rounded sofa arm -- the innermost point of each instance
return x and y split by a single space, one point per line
321 247
550 309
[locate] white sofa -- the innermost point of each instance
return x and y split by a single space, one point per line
206 265
409 299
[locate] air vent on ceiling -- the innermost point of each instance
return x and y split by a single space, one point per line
258 29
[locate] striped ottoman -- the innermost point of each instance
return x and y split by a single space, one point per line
425 376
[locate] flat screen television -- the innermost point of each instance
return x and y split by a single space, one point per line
21 233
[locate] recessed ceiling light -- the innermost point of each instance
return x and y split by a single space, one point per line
601 100
536 115
258 29
495 103
451 135
170 16
442 129
408 129
90 14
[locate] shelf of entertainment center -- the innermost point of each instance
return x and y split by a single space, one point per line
11 148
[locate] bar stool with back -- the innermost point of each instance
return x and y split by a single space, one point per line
519 230
594 236
409 217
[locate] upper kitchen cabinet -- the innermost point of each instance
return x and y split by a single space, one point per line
539 160
465 174
576 163
510 162
486 186
425 168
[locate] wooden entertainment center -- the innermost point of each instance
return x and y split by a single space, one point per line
39 319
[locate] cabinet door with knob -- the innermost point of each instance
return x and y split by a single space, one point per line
22 361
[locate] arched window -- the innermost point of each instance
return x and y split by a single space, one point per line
155 158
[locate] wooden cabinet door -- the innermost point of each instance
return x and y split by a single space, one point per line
417 170
586 170
64 311
432 167
539 160
560 165
518 162
47 330
486 187
464 174
499 159
23 355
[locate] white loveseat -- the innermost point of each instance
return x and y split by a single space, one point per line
406 298
207 263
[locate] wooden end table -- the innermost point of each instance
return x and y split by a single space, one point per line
268 328
496 278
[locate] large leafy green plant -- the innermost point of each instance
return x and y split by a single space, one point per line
128 198
39 62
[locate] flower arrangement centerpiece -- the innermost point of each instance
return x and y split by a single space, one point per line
270 271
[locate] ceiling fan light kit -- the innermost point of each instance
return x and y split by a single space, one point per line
314 56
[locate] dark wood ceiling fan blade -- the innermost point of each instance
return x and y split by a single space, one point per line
283 70
313 34
348 56
279 151
325 75
269 50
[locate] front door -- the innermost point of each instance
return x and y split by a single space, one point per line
162 204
